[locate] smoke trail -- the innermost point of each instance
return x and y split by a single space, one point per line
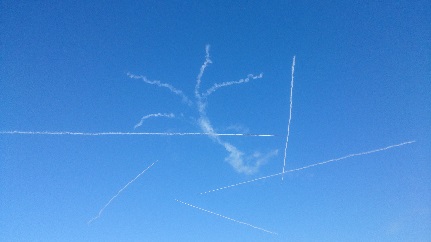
222 216
166 85
202 70
129 133
224 84
235 157
167 115
118 193
312 165
290 116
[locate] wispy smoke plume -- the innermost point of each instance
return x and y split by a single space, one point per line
166 115
225 84
236 157
174 90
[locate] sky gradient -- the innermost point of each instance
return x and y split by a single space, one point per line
361 83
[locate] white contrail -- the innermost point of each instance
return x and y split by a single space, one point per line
130 133
161 84
118 193
166 115
309 166
224 84
222 216
290 116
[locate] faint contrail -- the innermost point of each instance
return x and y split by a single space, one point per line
231 219
290 116
161 84
309 166
129 133
224 84
167 115
118 193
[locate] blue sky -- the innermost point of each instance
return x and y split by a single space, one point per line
362 82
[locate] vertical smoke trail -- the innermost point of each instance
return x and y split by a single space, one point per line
201 72
167 115
290 116
225 217
118 193
235 157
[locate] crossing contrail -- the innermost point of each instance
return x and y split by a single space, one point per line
118 193
236 157
131 133
225 217
312 165
290 116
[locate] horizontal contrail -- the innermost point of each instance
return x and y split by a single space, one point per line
118 193
309 166
231 219
128 133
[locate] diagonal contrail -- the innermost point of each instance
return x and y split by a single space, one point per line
118 193
130 133
312 165
290 116
225 217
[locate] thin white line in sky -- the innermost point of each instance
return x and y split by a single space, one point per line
290 116
225 217
129 133
312 165
118 193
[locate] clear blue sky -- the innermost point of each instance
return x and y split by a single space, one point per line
362 82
